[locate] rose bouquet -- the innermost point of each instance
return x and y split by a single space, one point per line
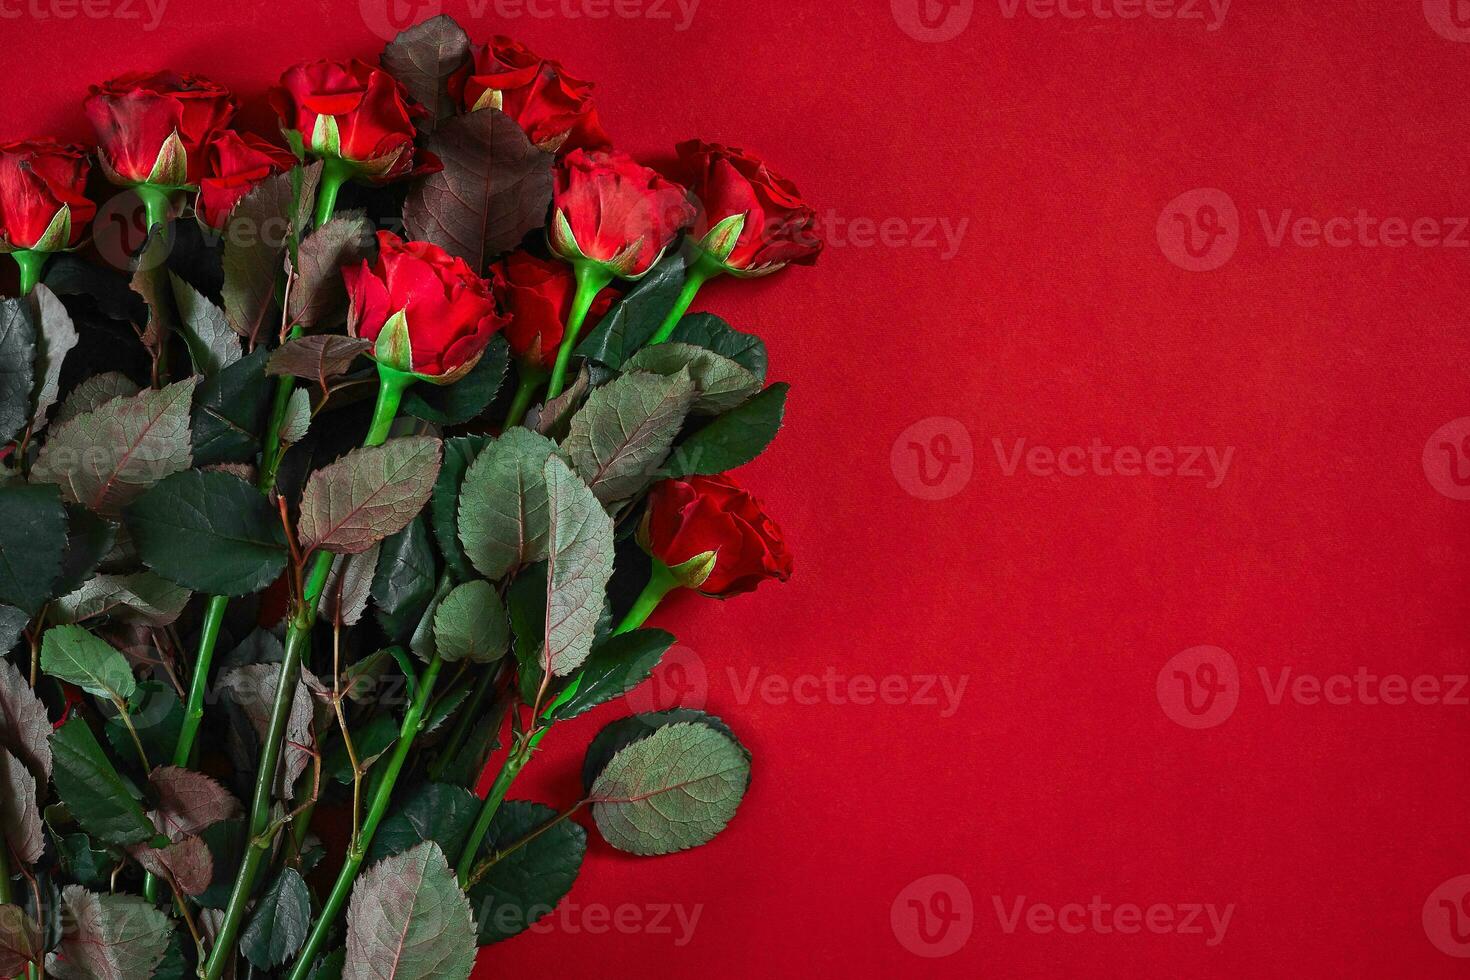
340 471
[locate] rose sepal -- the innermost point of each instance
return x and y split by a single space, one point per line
393 353
54 239
563 242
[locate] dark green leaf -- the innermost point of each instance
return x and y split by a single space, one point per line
24 727
94 392
109 937
56 335
20 816
85 863
32 543
405 581
673 790
634 320
409 921
17 366
435 812
733 439
230 410
465 399
261 229
156 713
619 439
503 506
12 624
88 540
614 668
139 597
107 457
209 531
71 654
459 453
226 843
212 345
619 734
367 495
579 564
525 883
92 789
470 624
526 600
720 384
278 926
710 332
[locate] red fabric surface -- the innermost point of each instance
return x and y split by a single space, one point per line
1059 318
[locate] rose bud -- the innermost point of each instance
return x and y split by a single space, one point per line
427 312
754 221
538 298
615 213
712 536
43 207
234 164
357 118
554 109
151 128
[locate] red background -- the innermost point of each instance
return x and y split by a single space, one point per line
1061 319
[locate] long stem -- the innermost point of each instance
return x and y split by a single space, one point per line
469 714
700 271
30 264
514 763
591 280
660 583
531 378
335 173
412 721
298 640
156 205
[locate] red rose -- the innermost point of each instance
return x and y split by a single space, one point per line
538 298
616 212
697 515
42 205
554 109
778 227
234 164
354 112
152 128
449 312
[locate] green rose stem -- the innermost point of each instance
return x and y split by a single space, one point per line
156 204
30 264
592 278
335 173
392 385
469 714
413 720
660 583
531 378
700 271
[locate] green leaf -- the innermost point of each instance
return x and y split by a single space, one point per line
106 458
525 884
720 382
298 417
634 320
467 398
109 937
32 543
71 654
83 862
368 495
20 941
345 596
579 564
614 668
526 600
470 624
17 374
212 345
89 538
261 229
24 727
409 921
329 967
20 817
502 505
318 294
673 790
733 439
405 581
56 335
92 789
209 531
157 713
277 928
459 453
139 597
92 393
622 733
437 812
620 438
230 411
226 843
12 623
369 741
394 346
